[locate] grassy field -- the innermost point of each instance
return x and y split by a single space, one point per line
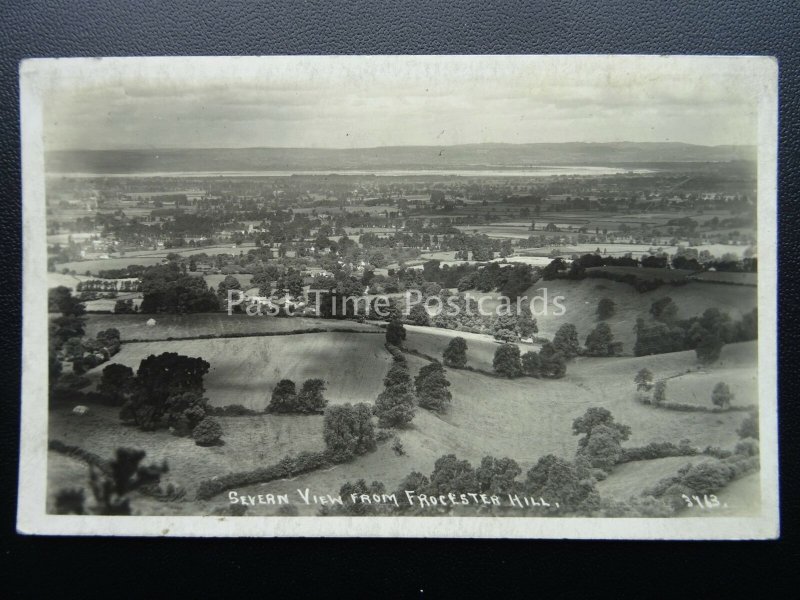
70 281
527 418
250 442
245 370
523 418
134 327
432 341
631 478
580 300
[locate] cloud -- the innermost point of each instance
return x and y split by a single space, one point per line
344 105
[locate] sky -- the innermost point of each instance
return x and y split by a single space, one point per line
325 102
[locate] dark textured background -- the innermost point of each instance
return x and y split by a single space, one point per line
390 568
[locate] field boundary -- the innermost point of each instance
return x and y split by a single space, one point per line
218 336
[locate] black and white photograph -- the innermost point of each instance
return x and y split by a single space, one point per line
407 296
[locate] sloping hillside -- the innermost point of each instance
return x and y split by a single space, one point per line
246 370
527 418
580 300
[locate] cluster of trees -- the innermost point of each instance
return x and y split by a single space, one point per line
85 354
348 431
286 399
125 307
108 285
510 281
166 392
66 343
167 289
549 362
706 334
514 326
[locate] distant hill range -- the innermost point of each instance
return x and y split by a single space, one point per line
467 156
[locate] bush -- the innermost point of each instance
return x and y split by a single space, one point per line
207 432
288 467
749 427
348 431
721 395
231 410
656 450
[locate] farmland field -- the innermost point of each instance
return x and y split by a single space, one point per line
245 370
134 327
527 418
250 442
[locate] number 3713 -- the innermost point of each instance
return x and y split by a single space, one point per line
706 501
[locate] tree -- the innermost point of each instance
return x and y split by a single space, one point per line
311 398
497 476
507 361
111 489
184 411
664 310
660 392
124 307
526 324
116 383
418 315
600 342
395 333
348 431
504 328
602 448
230 283
455 354
709 348
451 475
531 364
749 427
643 380
207 432
61 300
284 397
594 417
606 309
566 341
721 395
558 480
158 378
552 363
394 406
431 386
601 443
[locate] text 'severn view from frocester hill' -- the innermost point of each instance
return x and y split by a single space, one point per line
446 290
